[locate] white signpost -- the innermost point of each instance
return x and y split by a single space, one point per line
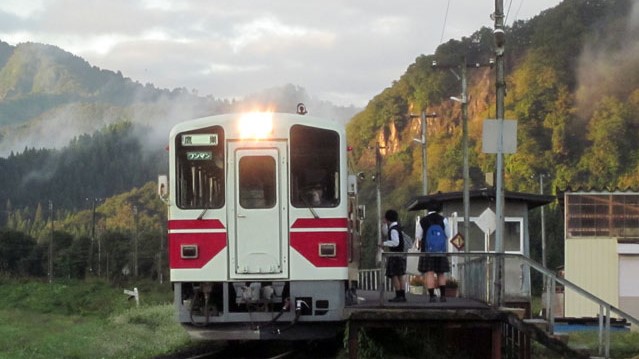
486 221
133 294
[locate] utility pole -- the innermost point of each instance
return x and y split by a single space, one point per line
500 84
424 126
100 252
466 191
135 241
423 141
378 186
543 225
92 234
464 103
51 243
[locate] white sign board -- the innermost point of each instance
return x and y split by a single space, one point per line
490 137
486 221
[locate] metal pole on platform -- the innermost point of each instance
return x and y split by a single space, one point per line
466 191
500 85
378 191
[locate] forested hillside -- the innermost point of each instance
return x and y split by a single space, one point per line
70 131
572 85
108 162
48 96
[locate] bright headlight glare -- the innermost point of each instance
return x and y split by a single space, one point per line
256 125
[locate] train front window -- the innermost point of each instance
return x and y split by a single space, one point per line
257 182
314 167
200 168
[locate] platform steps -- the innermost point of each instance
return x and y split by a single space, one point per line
536 329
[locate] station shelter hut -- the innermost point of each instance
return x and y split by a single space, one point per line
601 249
482 218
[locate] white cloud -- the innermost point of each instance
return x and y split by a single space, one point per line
22 8
219 68
348 51
260 28
165 5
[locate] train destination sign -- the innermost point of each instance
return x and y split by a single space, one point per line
199 139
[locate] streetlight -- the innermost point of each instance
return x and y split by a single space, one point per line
422 141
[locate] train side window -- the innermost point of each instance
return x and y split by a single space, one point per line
314 167
200 168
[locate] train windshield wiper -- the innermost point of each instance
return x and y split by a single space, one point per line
310 207
203 212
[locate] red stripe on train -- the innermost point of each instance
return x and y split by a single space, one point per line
195 224
209 245
320 223
307 244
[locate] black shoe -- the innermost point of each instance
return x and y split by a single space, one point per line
432 299
442 299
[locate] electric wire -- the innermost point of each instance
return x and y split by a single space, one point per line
508 11
519 8
441 38
516 12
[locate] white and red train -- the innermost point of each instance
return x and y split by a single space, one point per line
260 239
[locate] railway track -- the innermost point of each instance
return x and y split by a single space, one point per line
253 350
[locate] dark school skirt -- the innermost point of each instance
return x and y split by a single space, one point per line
395 266
433 264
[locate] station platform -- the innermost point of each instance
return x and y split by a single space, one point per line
371 299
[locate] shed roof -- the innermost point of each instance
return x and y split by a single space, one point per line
532 200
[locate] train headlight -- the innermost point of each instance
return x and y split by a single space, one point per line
327 250
256 125
189 251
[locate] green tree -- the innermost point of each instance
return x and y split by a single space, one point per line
15 248
603 161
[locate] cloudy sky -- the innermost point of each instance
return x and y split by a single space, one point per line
343 51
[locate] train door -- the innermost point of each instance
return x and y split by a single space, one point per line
258 235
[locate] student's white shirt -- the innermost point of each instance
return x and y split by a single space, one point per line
393 241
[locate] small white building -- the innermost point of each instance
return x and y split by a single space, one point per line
482 210
601 249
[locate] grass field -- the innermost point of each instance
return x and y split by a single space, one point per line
93 319
85 320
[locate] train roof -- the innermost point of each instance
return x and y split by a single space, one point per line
281 120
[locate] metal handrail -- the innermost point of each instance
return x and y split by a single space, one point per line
468 288
604 328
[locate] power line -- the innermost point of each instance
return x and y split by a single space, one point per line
441 39
519 8
508 11
516 12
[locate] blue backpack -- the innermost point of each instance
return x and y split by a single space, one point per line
435 239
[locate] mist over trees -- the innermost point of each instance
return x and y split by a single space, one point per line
75 138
